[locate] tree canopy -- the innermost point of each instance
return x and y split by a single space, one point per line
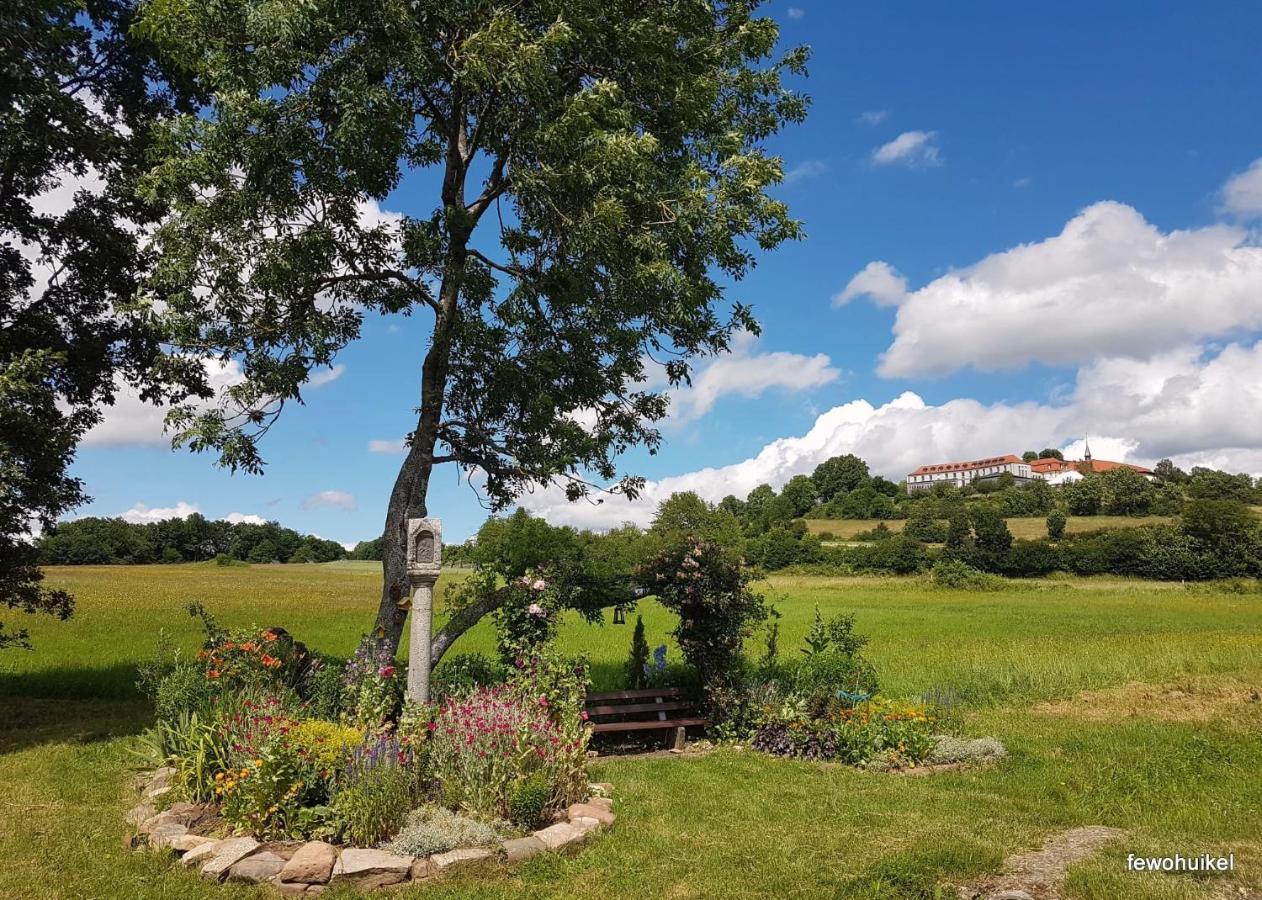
79 93
599 175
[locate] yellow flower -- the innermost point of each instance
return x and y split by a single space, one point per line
218 790
245 773
219 776
231 784
258 762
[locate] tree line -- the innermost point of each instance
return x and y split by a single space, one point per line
113 541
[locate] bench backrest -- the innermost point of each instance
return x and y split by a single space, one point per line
663 704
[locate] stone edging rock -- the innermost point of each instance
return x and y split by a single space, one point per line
297 867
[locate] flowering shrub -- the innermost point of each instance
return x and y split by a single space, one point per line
709 590
372 684
902 735
433 829
253 657
377 790
527 620
487 743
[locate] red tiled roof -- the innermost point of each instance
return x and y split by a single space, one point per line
1049 464
965 466
1104 465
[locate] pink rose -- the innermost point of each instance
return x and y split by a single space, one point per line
386 671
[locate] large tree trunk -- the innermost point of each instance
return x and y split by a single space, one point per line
408 498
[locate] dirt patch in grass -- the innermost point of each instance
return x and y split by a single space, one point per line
1038 874
1194 700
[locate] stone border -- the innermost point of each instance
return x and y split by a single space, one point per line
297 867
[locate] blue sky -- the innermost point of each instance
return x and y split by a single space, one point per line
1059 226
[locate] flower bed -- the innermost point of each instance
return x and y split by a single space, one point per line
196 835
265 750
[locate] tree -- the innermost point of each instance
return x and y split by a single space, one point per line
1168 472
1051 453
1029 456
922 526
1085 497
615 151
1056 521
991 536
1212 484
799 495
638 661
1125 492
839 475
79 94
685 515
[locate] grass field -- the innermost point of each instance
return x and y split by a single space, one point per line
1024 527
1130 704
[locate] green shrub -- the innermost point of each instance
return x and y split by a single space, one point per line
1056 521
947 749
1030 559
183 690
955 574
529 801
462 672
374 796
433 829
322 688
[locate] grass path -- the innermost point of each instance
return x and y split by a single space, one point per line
1175 763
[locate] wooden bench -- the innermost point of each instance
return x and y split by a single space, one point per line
644 710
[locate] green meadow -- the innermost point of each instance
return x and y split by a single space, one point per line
1122 703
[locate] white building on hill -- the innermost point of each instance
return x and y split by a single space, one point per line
959 474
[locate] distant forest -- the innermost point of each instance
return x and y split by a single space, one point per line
95 541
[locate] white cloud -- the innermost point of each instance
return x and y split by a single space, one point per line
141 514
380 446
878 280
810 168
1023 182
131 422
1110 284
1196 409
321 377
237 518
744 373
334 499
873 117
1242 194
914 149
795 13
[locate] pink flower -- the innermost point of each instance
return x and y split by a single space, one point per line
536 610
583 715
386 671
539 584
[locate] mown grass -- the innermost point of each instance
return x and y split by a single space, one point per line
733 823
1022 527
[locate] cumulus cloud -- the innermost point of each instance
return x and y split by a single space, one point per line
872 117
878 280
810 168
746 373
131 422
1178 405
1109 285
237 518
914 149
1242 194
141 514
795 13
334 499
380 446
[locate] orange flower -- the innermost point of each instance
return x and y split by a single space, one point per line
269 635
229 645
213 673
248 647
270 661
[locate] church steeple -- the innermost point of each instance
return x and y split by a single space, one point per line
1086 450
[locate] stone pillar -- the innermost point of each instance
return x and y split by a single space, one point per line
424 558
422 632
